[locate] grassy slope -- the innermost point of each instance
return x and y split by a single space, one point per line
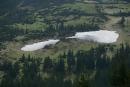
63 12
52 14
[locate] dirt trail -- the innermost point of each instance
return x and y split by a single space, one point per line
110 23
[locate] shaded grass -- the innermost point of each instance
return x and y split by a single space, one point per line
70 13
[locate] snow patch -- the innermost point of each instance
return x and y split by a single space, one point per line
39 45
101 36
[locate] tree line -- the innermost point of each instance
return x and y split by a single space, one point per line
70 69
58 31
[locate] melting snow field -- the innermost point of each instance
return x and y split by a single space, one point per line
39 45
101 36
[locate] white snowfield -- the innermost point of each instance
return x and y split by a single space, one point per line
101 36
39 45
